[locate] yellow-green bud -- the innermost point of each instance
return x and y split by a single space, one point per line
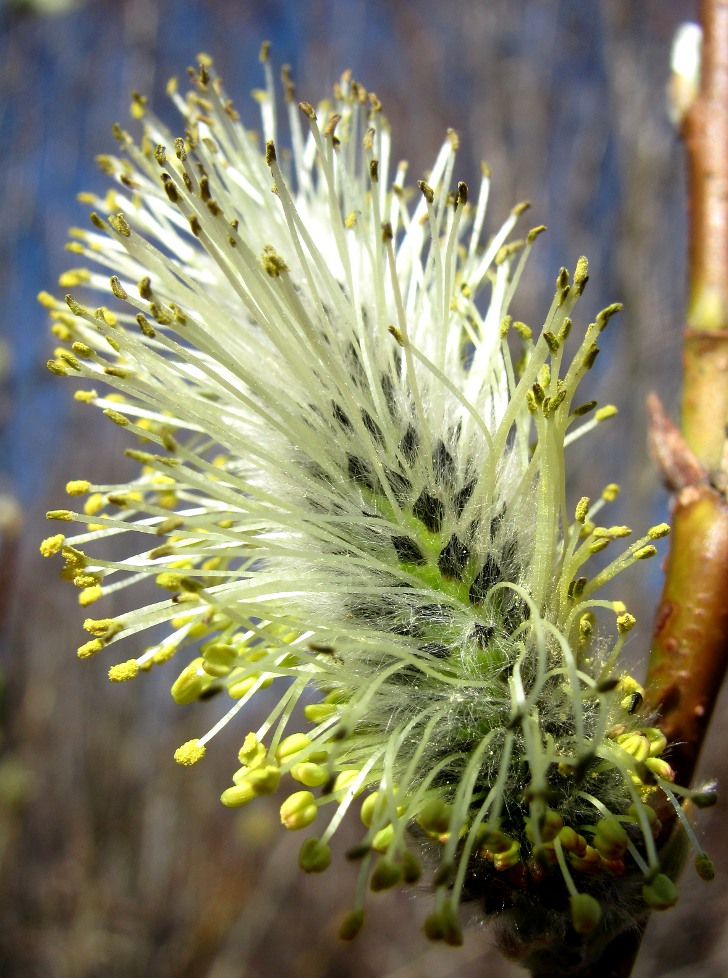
238 795
264 780
586 912
312 775
660 893
351 925
610 838
386 874
292 745
314 857
705 866
435 816
190 683
298 810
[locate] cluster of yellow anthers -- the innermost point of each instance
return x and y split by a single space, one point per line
340 494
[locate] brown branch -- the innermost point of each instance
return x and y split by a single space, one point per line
690 647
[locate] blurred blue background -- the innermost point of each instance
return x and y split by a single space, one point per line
114 862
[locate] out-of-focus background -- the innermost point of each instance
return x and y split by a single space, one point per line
114 861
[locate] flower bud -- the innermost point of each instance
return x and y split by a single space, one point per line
314 856
586 912
660 892
298 810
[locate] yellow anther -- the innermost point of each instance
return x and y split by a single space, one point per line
103 627
290 746
89 595
625 623
52 545
85 580
82 350
169 580
312 775
610 492
657 739
90 648
116 417
264 780
644 553
190 753
252 752
238 795
238 690
60 514
298 810
74 277
661 530
611 532
608 411
124 671
344 780
219 659
78 487
94 504
47 300
598 545
582 508
661 768
190 683
317 712
85 396
636 744
383 838
163 654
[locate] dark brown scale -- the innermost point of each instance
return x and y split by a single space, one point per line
401 486
341 417
389 392
483 634
461 497
409 445
489 575
360 473
443 464
453 558
429 510
437 649
408 552
372 427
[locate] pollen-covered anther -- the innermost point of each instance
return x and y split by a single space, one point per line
124 671
625 623
644 553
190 753
272 263
659 531
52 545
